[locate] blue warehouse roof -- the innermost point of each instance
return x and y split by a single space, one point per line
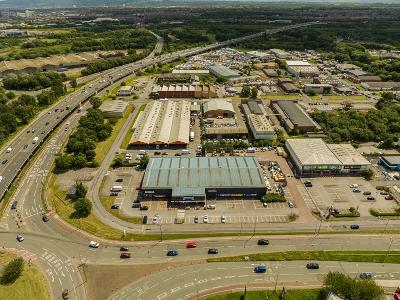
191 175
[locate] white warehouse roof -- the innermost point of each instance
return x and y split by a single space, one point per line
218 104
297 63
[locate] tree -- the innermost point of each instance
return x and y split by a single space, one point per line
245 93
254 92
144 160
367 174
82 207
12 271
352 289
80 190
95 101
63 163
118 162
73 83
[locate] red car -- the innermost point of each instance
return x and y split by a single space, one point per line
191 245
125 255
389 197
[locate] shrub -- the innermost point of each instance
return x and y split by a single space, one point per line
273 197
12 271
82 207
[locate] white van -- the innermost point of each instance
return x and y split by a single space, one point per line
116 188
185 151
9 150
142 152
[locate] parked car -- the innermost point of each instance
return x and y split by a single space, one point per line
20 238
94 244
119 180
4 161
371 198
260 269
354 226
135 205
223 219
196 219
384 193
365 275
191 245
263 242
115 206
290 204
367 193
308 184
125 255
45 218
14 205
356 191
312 266
389 197
213 251
144 221
157 153
265 204
205 219
155 218
123 248
172 252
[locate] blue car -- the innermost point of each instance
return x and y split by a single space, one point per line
172 252
354 226
260 269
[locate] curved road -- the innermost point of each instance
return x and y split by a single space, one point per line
62 252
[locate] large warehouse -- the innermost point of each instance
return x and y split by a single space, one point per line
218 108
184 91
162 123
293 116
196 179
313 157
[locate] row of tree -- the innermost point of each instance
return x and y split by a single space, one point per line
35 81
381 125
80 149
20 111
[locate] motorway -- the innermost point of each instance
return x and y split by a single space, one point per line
62 251
50 118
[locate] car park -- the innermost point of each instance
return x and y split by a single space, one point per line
125 255
312 266
354 226
260 269
263 242
20 238
191 245
172 252
94 244
212 251
365 275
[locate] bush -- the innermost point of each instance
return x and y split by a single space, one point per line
12 271
352 289
376 213
273 197
82 207
367 174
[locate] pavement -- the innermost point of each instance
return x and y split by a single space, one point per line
62 251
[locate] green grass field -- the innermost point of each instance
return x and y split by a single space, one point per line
103 147
306 294
30 285
350 256
128 136
108 201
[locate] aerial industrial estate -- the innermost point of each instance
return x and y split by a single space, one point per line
252 159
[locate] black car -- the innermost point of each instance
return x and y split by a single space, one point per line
123 248
115 206
45 218
119 180
312 266
144 220
354 226
4 161
367 193
136 205
370 198
263 242
14 205
212 251
307 183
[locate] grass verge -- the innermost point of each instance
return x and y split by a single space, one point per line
306 294
102 148
107 201
349 256
30 285
128 136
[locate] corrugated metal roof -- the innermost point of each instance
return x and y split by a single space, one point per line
198 173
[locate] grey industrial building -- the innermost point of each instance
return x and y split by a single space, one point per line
313 157
197 179
293 117
222 71
391 163
114 108
258 121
